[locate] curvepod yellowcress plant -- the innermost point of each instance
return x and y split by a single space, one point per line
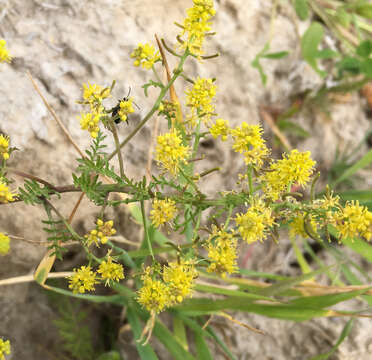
187 269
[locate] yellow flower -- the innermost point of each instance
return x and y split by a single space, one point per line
248 140
170 152
110 270
199 99
5 195
126 107
4 146
196 25
101 232
4 348
89 121
255 223
220 128
4 244
221 246
95 93
354 220
145 55
82 279
162 211
179 277
154 295
297 226
295 168
4 52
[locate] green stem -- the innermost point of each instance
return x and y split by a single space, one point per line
146 229
231 207
250 182
163 92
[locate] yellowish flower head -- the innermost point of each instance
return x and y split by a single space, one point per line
255 223
145 56
200 100
162 211
126 107
4 146
101 233
110 271
170 152
4 244
4 348
5 194
297 226
82 280
221 246
196 25
4 52
95 93
220 128
154 295
295 168
249 142
354 220
89 121
179 277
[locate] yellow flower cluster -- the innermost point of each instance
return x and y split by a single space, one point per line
83 279
255 223
196 25
297 226
93 95
5 194
221 246
154 295
126 107
4 146
162 211
353 220
295 168
179 277
4 244
110 271
4 348
199 98
176 284
249 142
170 152
90 121
145 56
220 128
101 232
4 52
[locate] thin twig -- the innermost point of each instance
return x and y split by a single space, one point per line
56 118
29 278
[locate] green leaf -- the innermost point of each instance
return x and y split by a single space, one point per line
345 332
202 349
309 45
367 67
362 163
364 10
276 55
256 63
302 9
221 343
323 301
180 331
364 49
286 312
350 64
145 352
326 54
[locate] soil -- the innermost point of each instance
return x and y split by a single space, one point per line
65 43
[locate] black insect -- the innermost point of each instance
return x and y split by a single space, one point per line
114 111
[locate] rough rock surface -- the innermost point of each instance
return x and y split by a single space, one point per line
64 43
